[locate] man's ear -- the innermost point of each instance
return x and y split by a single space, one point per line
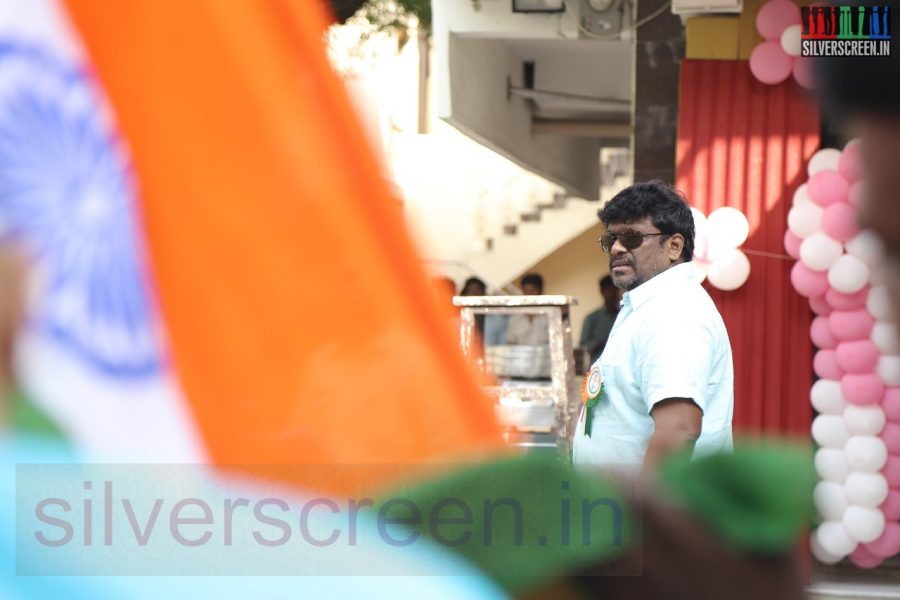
674 246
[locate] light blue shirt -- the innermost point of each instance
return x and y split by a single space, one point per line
668 341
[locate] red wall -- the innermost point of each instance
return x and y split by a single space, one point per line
745 144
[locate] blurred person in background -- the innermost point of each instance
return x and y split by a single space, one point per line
529 330
599 323
864 94
474 286
445 288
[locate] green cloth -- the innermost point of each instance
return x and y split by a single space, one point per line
758 500
548 539
27 418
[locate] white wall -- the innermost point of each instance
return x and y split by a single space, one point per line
479 70
457 193
493 17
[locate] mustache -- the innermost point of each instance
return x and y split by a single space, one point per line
620 262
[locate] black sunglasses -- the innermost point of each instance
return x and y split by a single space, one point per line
629 238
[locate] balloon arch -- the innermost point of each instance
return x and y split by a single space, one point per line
857 394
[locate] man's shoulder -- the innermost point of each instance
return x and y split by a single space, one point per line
688 305
594 314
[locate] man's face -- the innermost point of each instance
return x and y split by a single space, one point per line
880 210
631 268
474 289
531 289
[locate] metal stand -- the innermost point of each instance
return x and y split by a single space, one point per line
536 414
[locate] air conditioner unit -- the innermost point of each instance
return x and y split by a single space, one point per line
699 7
600 19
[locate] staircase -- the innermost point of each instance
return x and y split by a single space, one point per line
536 235
476 213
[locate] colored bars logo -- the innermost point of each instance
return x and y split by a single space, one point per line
845 30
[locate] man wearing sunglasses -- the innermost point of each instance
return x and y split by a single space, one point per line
667 375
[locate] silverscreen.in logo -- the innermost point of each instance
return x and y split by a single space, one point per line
845 30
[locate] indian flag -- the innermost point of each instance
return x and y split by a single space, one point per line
218 269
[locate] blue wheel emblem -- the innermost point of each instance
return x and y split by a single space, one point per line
67 194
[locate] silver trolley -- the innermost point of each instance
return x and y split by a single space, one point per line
535 386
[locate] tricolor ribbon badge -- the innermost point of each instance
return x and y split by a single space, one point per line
590 395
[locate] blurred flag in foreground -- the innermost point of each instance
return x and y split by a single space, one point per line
221 271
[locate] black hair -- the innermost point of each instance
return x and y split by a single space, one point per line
473 281
606 282
860 84
658 200
533 279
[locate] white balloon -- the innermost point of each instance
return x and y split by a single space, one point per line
879 304
889 370
790 40
867 247
700 235
884 336
700 269
821 554
835 539
801 196
862 523
826 158
827 398
699 219
727 227
829 431
805 219
863 421
848 274
729 271
831 500
819 252
866 489
831 464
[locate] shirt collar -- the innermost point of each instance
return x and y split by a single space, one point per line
683 272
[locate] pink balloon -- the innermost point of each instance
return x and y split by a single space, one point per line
849 325
769 63
863 559
826 366
891 506
827 187
862 389
855 195
888 544
792 244
891 471
857 357
807 282
891 436
839 221
803 71
850 163
774 17
890 403
819 305
840 301
821 335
